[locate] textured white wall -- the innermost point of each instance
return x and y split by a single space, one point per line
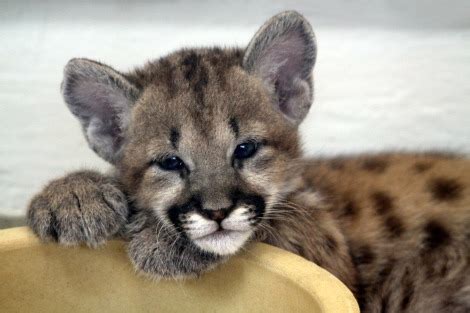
390 74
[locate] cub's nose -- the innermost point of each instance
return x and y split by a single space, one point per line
216 215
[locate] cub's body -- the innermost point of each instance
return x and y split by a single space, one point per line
207 156
395 228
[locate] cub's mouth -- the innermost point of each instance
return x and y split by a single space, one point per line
220 231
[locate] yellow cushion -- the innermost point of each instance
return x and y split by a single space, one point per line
36 277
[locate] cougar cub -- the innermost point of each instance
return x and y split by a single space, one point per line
206 153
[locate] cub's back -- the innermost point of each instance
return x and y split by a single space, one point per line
406 219
398 191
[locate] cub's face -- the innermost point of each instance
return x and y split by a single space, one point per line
205 139
211 168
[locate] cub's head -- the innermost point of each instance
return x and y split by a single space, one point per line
205 138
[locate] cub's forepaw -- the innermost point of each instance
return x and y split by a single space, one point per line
159 254
83 207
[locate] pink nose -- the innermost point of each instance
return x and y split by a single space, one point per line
216 215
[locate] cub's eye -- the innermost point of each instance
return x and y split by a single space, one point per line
245 150
172 163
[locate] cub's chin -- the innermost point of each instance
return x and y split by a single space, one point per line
223 242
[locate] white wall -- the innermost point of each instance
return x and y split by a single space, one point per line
390 74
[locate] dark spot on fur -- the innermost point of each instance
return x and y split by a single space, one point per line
174 137
374 165
408 291
166 77
234 126
53 229
384 304
350 209
336 164
300 250
331 243
445 189
363 255
190 63
238 54
217 50
383 275
360 293
421 167
382 201
222 63
200 85
394 225
436 236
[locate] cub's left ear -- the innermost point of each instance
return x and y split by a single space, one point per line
101 98
282 53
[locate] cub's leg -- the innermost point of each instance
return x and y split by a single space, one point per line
82 207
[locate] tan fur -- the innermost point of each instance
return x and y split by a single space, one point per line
383 250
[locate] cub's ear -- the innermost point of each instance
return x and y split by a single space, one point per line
101 99
282 53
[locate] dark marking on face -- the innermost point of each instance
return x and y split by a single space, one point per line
436 236
220 63
382 201
176 212
445 189
200 84
174 137
394 225
216 51
238 54
190 63
374 165
363 255
166 76
421 167
256 201
234 126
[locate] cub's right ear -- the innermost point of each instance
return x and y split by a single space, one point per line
101 98
282 54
